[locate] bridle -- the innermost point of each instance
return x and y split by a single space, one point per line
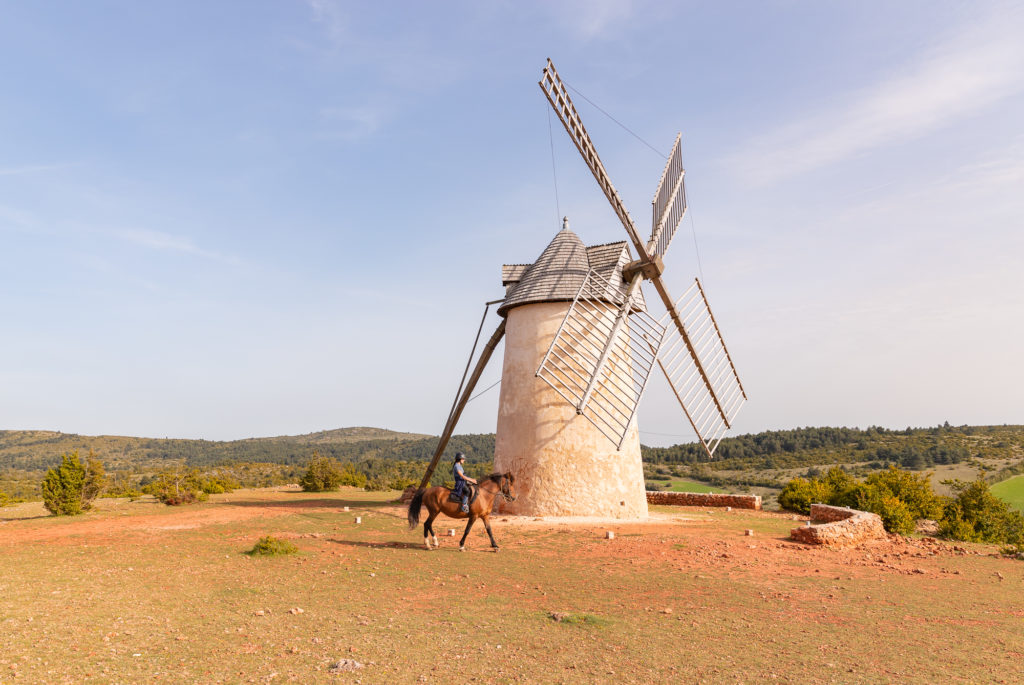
503 489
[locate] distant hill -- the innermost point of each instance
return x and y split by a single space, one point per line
1001 447
910 447
36 450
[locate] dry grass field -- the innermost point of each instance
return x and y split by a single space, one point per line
141 593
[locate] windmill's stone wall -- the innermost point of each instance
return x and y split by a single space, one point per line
563 465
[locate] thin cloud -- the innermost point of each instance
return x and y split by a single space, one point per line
351 123
596 18
157 240
955 80
329 14
33 169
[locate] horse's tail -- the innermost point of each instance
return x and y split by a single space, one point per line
414 508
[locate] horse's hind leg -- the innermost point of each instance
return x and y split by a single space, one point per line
462 542
433 533
487 524
428 530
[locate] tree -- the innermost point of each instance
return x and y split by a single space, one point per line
70 488
976 515
177 487
322 474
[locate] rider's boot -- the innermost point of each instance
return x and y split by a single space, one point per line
465 504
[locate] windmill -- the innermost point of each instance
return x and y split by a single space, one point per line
580 349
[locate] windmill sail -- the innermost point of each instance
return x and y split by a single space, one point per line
693 357
669 202
558 96
699 368
602 356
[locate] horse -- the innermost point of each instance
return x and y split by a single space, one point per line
480 506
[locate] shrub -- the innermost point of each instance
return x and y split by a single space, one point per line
70 488
349 475
898 497
217 484
895 514
322 474
976 515
174 488
915 491
121 485
800 493
654 487
269 546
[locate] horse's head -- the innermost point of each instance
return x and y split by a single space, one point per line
508 487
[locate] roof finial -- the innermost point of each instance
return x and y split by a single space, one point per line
565 223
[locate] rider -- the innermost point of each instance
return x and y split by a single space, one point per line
461 479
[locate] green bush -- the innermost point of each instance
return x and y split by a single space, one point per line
122 485
174 488
217 484
898 497
269 546
976 515
800 493
349 475
70 488
915 491
323 474
895 514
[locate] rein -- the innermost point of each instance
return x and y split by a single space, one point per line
502 489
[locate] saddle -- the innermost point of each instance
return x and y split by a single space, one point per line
470 488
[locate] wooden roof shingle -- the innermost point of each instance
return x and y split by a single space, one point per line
560 270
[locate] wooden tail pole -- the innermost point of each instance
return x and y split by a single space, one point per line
453 418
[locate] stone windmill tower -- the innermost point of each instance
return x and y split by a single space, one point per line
580 348
565 463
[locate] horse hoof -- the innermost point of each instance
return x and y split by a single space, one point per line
496 548
462 549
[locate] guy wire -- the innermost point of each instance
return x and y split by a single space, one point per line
554 172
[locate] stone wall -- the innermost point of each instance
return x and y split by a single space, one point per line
704 499
839 527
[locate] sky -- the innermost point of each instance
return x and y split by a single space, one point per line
234 219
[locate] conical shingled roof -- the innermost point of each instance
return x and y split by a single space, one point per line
560 270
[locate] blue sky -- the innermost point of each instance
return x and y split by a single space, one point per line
222 220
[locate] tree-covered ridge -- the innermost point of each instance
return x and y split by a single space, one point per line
801 447
911 447
36 450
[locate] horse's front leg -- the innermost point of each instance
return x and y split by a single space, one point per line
487 524
469 524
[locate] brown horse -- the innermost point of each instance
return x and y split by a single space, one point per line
480 506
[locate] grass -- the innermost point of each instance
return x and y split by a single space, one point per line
579 619
1011 491
691 486
138 592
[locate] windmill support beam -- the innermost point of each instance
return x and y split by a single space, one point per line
467 391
